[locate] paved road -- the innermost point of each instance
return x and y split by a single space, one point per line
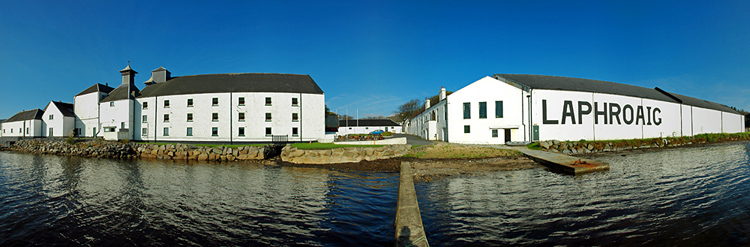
413 140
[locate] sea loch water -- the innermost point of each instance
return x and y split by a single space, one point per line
688 196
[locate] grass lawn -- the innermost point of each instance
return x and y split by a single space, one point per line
318 145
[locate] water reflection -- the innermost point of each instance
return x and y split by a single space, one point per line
692 196
78 201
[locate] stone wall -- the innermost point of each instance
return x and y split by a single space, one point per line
584 147
341 155
109 149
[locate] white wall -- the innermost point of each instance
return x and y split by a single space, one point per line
344 130
310 109
26 128
86 108
116 115
706 121
486 90
60 124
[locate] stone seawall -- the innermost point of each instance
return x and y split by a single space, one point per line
115 150
585 147
341 155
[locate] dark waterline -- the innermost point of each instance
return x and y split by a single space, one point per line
681 197
50 200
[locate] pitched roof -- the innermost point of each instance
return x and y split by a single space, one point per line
596 86
220 83
96 88
121 92
65 108
368 123
26 115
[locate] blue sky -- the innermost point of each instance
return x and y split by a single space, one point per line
375 55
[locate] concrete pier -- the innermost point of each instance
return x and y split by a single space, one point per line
409 229
564 163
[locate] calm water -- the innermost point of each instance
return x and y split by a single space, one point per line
691 196
48 200
684 197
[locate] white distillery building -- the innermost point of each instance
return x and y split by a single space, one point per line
365 126
247 107
516 107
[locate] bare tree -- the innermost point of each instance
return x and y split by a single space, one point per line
409 110
345 117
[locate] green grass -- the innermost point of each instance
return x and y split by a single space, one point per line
534 146
318 145
211 145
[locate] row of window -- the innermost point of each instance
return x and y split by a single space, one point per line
483 109
215 131
215 102
215 117
19 130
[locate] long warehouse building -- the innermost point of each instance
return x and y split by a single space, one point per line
521 108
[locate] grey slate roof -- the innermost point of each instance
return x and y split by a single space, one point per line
596 86
368 123
26 115
246 82
121 92
65 108
96 88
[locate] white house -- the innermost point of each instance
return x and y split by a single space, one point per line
58 120
117 109
247 107
365 126
86 108
513 107
24 124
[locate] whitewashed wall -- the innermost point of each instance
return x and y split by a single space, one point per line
706 121
116 116
310 110
60 124
26 128
487 90
86 108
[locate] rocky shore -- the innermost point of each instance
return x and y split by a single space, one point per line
587 147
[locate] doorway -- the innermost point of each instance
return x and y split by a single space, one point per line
507 135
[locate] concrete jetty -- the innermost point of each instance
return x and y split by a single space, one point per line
409 229
564 163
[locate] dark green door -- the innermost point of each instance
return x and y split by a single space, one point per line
536 132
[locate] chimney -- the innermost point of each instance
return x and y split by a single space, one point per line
442 93
128 75
159 75
426 103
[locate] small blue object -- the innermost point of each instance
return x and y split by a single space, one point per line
377 132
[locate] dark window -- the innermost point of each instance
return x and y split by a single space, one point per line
241 117
268 131
494 133
215 117
294 101
144 131
51 117
268 100
467 129
242 101
166 118
145 119
241 132
295 117
215 131
189 117
112 104
268 117
145 105
190 131
294 131
166 131
190 103
499 109
467 110
215 101
166 103
482 109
